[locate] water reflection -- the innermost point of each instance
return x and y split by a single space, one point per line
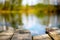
33 24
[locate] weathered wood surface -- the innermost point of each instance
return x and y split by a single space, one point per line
55 34
42 37
20 35
5 36
26 35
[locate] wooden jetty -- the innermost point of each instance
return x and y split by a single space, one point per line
22 35
26 35
6 35
42 37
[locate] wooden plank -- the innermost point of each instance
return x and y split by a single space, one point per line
6 35
55 34
42 37
22 35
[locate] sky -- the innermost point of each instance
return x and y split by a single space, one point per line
2 1
53 2
33 2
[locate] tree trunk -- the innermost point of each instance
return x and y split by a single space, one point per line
6 23
4 27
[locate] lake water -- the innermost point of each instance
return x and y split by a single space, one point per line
36 25
33 24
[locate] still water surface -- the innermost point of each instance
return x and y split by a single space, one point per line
33 24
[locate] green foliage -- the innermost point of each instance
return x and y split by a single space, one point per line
20 19
6 5
40 10
13 21
40 15
1 6
27 6
16 5
6 18
41 6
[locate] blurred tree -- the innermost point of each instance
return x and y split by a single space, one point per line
26 10
1 6
40 8
13 20
12 4
16 6
5 17
19 2
6 5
